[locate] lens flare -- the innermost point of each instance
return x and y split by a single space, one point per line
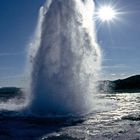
106 13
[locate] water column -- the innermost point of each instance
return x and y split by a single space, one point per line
65 59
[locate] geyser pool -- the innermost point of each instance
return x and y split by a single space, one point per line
65 58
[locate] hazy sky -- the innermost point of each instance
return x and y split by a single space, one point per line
119 40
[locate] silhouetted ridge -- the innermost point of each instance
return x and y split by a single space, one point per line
10 92
130 84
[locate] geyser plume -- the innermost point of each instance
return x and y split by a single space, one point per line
65 58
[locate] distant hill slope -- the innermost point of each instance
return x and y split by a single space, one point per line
130 84
9 92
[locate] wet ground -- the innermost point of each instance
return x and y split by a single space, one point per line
116 117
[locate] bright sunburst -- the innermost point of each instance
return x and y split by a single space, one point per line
106 13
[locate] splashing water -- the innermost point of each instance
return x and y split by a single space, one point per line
65 58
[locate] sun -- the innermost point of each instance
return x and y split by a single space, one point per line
106 13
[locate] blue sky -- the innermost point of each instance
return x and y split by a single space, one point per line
119 40
18 20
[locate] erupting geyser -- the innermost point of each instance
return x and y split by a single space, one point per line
65 58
